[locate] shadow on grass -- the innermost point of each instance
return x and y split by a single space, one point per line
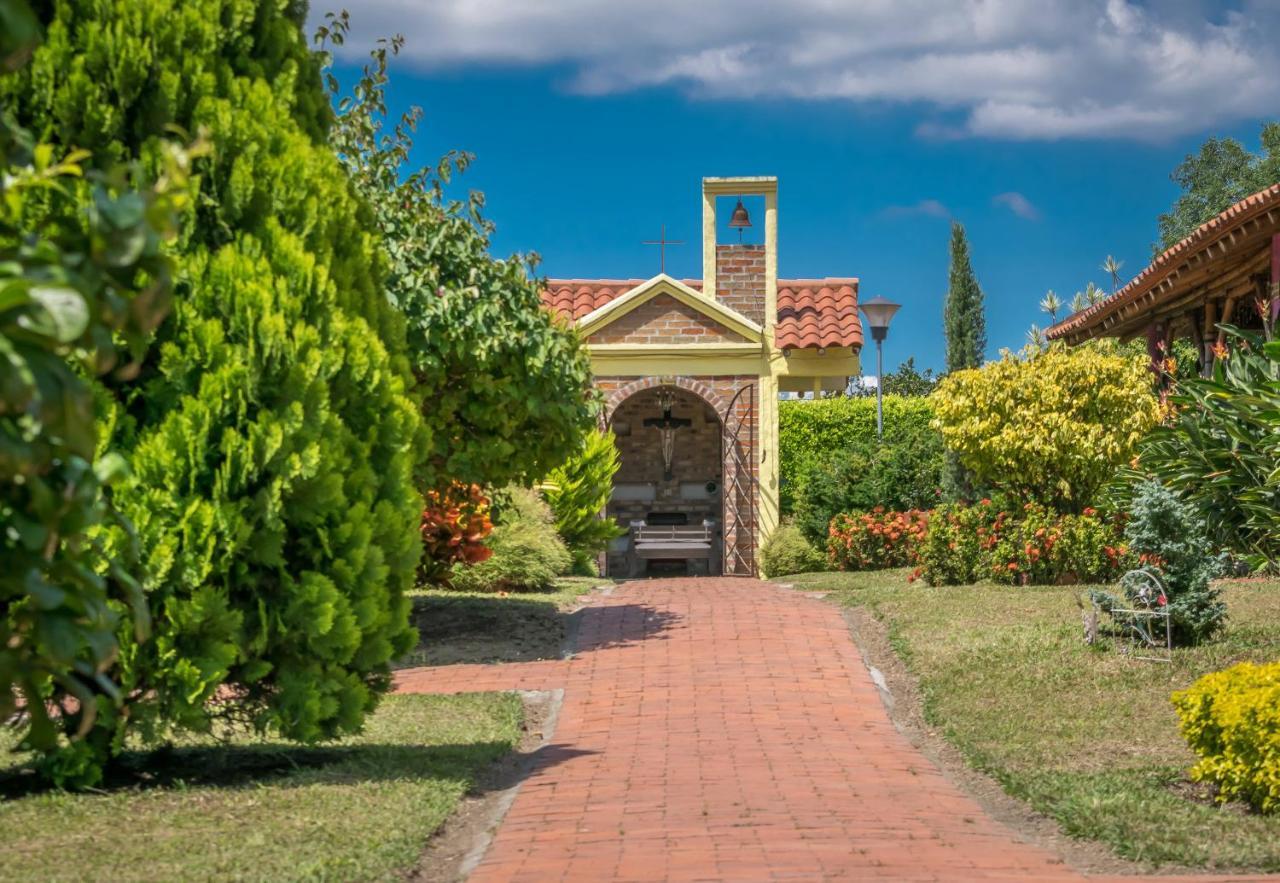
229 767
466 628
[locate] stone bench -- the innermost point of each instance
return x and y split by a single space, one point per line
668 542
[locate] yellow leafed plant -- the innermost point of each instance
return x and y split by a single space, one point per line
1231 719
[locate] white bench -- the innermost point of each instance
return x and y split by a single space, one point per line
667 542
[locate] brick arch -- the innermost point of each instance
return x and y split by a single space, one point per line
688 384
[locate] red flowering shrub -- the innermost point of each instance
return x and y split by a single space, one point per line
455 524
959 543
876 539
1045 548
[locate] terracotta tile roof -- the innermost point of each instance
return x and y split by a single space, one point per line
1167 263
812 313
815 313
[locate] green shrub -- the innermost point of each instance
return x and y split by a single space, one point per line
903 473
810 432
954 551
1231 719
271 436
787 551
1168 536
578 492
506 387
528 553
1221 451
65 291
1021 545
1051 427
1043 547
878 539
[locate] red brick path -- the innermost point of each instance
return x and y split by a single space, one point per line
725 729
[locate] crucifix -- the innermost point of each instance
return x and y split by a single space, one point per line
662 242
667 426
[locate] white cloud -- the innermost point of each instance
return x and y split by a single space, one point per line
1019 69
931 208
1018 204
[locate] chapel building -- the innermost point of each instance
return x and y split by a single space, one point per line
691 372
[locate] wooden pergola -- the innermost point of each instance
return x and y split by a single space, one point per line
1225 272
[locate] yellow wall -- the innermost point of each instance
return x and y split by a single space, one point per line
773 370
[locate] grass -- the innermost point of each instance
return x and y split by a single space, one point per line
360 809
457 627
1083 734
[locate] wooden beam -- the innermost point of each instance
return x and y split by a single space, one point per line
1275 277
1210 323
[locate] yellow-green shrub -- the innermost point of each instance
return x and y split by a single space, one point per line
1231 719
1051 426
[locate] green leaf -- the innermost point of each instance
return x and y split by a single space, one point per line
62 314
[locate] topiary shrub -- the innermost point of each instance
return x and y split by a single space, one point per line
577 492
1050 427
877 539
787 551
1168 536
1231 719
527 553
270 434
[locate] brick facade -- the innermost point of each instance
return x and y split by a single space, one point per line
701 453
740 279
663 319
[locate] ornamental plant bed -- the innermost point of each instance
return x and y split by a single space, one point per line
1081 734
957 545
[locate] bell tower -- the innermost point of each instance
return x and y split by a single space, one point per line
743 277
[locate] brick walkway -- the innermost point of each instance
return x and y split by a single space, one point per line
725 729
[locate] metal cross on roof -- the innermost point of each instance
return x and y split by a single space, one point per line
662 242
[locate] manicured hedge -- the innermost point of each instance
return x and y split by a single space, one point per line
810 431
1231 719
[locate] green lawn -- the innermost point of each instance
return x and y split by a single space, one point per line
1083 734
361 809
456 627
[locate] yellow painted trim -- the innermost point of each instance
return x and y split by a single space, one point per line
807 363
656 364
753 185
691 350
664 284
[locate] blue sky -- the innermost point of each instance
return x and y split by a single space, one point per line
582 156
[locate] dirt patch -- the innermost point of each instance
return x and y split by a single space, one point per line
901 694
457 847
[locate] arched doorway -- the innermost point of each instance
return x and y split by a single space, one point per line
671 472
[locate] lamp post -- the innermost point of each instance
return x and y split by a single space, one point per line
879 311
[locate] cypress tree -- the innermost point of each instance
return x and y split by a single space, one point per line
965 326
964 321
270 433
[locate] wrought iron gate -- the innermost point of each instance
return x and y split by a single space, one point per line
739 441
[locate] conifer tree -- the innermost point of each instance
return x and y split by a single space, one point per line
965 326
964 321
270 433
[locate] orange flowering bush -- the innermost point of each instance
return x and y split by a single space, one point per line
1044 548
455 524
876 539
